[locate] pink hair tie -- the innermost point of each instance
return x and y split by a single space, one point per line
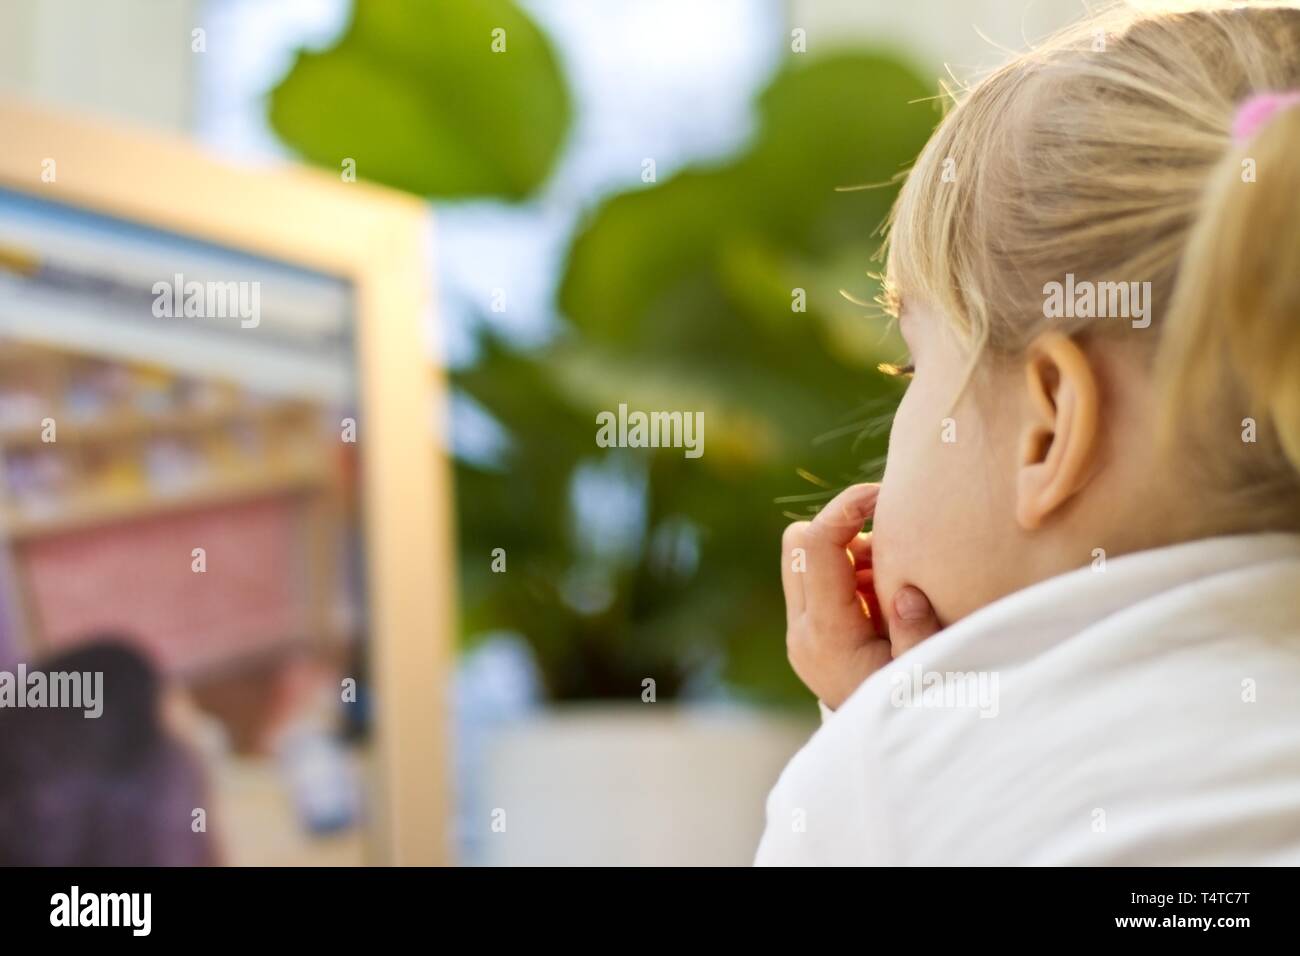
1256 110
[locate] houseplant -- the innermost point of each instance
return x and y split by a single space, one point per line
642 576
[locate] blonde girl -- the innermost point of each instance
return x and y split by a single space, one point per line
1084 553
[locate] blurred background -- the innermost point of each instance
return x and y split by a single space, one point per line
655 204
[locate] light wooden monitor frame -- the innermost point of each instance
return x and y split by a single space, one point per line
379 241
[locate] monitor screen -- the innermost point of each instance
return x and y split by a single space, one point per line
179 483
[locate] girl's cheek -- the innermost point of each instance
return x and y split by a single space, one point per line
902 492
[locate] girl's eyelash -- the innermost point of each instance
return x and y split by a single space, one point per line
897 371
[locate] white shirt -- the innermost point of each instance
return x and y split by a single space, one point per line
1144 713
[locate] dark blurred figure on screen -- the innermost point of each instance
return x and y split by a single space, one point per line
113 790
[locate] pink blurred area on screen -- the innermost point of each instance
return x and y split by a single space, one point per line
137 579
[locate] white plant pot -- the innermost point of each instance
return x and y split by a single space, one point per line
657 784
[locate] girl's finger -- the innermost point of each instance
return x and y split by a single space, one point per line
860 548
830 588
841 519
867 592
793 570
913 619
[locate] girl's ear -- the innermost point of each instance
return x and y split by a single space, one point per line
1058 437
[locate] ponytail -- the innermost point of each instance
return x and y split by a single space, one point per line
1232 345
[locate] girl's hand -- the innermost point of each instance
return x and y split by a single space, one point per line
836 636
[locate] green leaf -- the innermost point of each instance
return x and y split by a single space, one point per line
679 297
415 95
674 269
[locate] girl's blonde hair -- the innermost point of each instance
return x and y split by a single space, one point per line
1107 153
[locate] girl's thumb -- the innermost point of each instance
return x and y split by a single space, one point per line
914 619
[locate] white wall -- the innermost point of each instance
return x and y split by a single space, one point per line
934 32
127 59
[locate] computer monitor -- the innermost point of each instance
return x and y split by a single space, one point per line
218 436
